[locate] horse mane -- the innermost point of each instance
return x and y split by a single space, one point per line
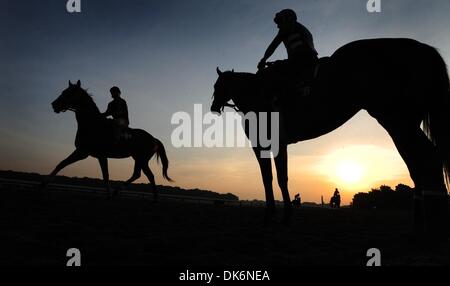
240 74
87 94
88 97
243 85
239 77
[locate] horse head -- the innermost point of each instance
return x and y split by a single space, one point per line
69 98
221 94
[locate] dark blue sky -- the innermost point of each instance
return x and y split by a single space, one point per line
163 55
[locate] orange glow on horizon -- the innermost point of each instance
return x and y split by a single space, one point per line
362 167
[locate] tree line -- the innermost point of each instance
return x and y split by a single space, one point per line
384 197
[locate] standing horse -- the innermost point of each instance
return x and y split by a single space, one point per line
95 138
402 83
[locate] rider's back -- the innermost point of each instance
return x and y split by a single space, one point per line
299 42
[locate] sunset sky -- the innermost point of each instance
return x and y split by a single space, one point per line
163 55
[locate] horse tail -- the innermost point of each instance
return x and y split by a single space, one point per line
161 154
436 123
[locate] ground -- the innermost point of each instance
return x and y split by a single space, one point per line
38 229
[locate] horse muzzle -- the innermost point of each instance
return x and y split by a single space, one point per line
215 109
56 107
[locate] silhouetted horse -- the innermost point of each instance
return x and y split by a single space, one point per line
402 83
95 138
335 201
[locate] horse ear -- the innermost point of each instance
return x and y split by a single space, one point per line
218 71
70 83
78 83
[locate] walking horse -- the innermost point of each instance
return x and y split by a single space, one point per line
95 138
402 83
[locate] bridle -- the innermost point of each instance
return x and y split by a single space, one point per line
226 104
69 108
231 106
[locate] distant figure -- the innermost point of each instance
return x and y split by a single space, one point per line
302 56
118 109
297 202
321 198
335 201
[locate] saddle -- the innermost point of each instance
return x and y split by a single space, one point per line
283 81
105 131
116 132
286 95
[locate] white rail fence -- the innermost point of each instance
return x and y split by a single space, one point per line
15 184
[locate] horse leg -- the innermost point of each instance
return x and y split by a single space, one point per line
151 179
431 197
104 166
265 166
136 174
425 167
76 156
281 164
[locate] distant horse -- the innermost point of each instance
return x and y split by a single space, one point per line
95 138
335 201
402 83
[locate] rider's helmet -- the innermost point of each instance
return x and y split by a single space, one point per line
115 90
285 16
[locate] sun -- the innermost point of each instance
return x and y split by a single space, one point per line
349 172
357 168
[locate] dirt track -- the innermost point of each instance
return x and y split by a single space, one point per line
38 230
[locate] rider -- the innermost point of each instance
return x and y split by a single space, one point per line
298 40
337 198
118 109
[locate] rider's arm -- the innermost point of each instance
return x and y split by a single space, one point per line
270 50
272 47
108 111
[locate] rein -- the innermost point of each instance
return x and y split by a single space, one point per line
231 106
